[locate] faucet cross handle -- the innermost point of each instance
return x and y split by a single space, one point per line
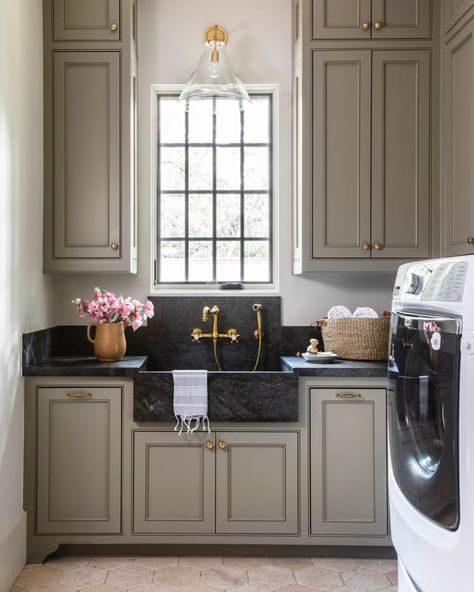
196 334
233 335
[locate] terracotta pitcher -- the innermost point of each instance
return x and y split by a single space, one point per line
109 341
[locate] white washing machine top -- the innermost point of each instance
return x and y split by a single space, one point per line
440 285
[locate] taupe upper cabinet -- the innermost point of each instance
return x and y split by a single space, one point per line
458 143
400 154
371 19
79 452
86 20
87 154
90 136
341 19
401 19
348 462
371 154
454 10
341 154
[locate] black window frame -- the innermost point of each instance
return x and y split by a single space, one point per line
214 192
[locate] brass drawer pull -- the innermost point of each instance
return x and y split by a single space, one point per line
114 246
366 246
113 27
222 445
349 396
366 25
378 246
210 445
378 25
470 240
79 395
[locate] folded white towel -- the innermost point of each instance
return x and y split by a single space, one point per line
365 312
190 400
339 312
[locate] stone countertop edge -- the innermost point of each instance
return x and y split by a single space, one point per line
86 366
348 368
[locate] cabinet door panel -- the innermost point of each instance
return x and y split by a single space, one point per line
458 125
174 483
401 153
87 154
454 10
348 462
257 483
79 456
341 19
401 19
341 153
86 20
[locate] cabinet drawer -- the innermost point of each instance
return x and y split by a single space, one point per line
173 483
348 462
86 20
79 460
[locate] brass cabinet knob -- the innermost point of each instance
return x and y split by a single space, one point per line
114 246
378 25
366 246
209 445
113 27
378 246
470 240
366 25
222 445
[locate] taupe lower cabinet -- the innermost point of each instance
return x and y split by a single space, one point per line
86 20
257 483
174 483
348 462
79 457
458 142
228 482
371 19
87 154
371 154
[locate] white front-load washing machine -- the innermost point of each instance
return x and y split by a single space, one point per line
431 425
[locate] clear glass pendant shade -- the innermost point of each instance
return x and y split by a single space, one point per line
214 77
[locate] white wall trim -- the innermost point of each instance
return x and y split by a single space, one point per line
199 290
13 553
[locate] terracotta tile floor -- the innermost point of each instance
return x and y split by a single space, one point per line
208 574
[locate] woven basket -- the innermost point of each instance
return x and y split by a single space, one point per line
357 339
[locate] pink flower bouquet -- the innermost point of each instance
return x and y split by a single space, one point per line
106 307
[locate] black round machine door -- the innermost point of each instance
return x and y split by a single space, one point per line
424 385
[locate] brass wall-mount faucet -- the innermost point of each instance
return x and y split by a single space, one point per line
197 333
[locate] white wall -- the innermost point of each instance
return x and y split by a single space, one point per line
170 44
23 288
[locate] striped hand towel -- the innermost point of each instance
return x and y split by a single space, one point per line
190 400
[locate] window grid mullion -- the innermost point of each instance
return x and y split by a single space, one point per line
186 196
214 190
242 206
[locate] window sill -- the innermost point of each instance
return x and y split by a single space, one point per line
203 290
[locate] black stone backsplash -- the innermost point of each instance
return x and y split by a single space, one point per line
167 338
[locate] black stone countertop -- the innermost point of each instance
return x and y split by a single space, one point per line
86 366
337 368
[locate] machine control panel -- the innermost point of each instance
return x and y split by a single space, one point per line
441 281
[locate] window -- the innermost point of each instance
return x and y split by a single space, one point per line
214 191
